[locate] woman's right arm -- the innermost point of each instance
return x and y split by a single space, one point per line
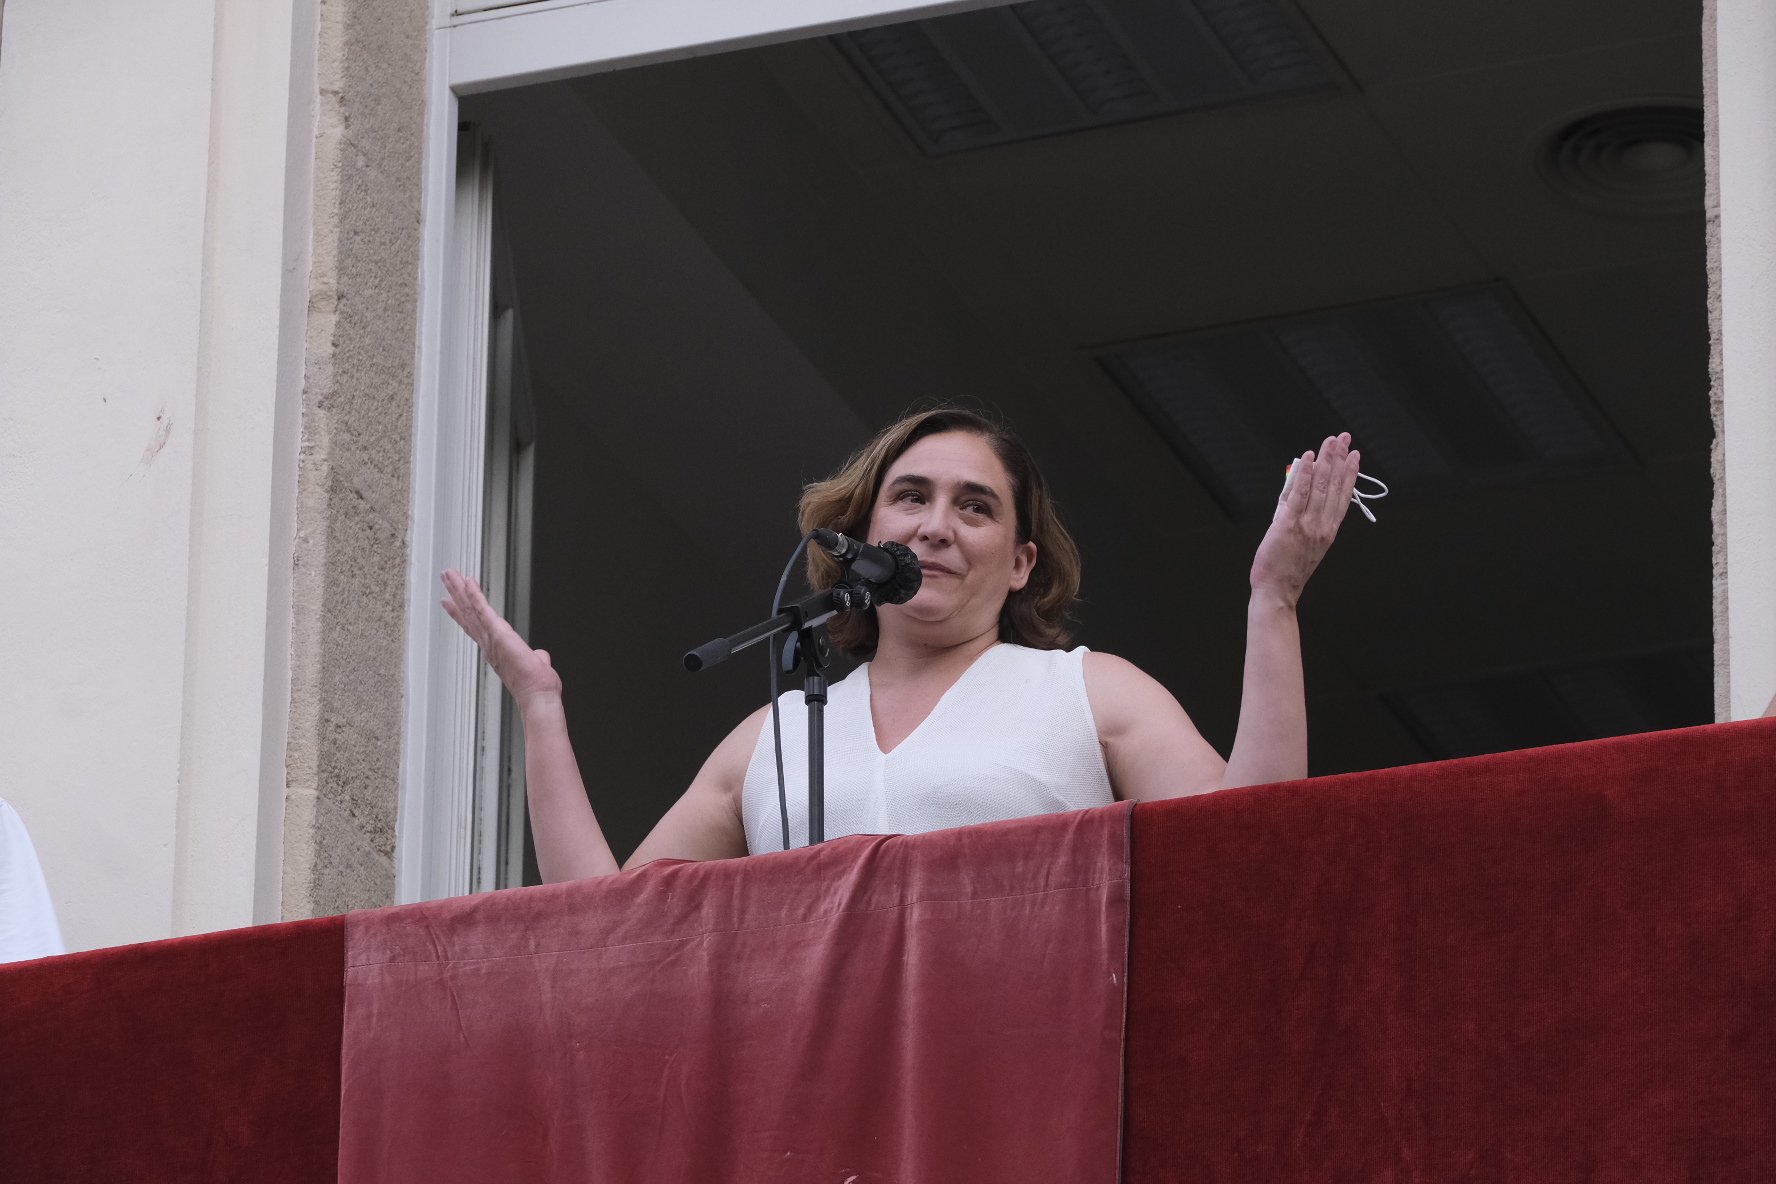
570 845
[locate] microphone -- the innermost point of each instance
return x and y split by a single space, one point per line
892 567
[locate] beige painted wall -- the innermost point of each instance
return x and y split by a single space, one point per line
205 410
145 235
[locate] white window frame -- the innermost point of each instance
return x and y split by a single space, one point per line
478 49
1741 93
483 45
511 495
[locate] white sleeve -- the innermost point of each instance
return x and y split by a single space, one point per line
28 926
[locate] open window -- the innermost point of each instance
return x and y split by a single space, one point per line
1175 242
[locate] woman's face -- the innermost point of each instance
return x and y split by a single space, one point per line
949 498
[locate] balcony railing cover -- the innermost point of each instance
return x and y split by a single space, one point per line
1552 965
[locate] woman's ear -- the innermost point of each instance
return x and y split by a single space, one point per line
1023 562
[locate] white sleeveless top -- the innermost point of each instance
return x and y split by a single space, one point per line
1013 737
28 926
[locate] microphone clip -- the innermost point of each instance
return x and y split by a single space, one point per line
849 597
889 570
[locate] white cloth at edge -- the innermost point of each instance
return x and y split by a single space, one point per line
1012 738
28 926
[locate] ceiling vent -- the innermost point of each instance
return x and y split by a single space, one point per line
1458 388
1617 697
1642 159
1049 66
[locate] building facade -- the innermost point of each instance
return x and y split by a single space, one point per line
242 388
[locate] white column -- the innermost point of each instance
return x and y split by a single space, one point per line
257 240
1742 43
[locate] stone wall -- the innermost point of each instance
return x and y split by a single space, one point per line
350 563
1717 463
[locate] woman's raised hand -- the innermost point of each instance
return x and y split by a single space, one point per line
527 673
1306 520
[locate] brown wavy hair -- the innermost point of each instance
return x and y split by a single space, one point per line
1036 615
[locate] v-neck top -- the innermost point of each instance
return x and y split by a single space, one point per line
1014 736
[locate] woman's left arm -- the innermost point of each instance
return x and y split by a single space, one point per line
1271 743
1151 748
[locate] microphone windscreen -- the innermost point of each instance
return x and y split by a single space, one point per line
907 575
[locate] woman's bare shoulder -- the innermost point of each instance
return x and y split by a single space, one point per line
729 760
1151 747
1118 689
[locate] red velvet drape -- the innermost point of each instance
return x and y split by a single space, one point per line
1550 966
212 1058
935 1007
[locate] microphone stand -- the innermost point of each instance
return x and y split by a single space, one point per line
808 647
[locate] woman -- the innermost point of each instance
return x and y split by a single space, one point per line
1018 725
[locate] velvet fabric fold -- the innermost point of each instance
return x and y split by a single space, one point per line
208 1058
936 1007
1555 966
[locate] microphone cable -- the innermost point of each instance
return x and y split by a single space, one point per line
774 651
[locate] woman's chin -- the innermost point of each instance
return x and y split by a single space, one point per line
919 613
926 607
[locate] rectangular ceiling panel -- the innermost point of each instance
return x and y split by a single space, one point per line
1040 68
1449 390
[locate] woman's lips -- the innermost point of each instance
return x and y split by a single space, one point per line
935 569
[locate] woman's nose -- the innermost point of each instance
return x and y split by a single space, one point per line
935 524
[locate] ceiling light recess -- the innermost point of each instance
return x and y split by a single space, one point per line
1447 390
997 75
